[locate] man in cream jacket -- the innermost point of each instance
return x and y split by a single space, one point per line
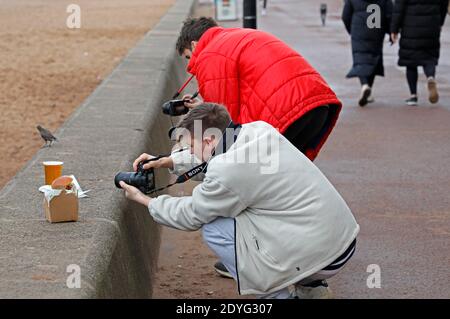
275 221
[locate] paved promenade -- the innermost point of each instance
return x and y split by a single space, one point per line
390 162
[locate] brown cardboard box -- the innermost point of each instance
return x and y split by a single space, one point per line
62 208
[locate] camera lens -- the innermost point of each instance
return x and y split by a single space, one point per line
131 178
166 108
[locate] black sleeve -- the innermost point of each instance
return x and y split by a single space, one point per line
347 15
444 10
388 15
397 15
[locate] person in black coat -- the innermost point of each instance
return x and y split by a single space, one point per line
419 22
367 40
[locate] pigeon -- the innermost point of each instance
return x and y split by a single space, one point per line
46 135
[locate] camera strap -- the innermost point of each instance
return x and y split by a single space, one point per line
185 177
183 87
191 173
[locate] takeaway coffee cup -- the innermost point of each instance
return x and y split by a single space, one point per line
53 170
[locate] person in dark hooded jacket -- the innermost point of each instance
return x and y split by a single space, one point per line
419 22
367 41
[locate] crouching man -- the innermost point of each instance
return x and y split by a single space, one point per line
280 230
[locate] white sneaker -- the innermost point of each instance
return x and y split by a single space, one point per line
263 12
370 99
366 92
313 293
432 91
319 292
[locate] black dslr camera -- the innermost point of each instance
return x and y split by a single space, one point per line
143 179
175 108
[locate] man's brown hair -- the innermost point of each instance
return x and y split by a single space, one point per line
210 114
193 29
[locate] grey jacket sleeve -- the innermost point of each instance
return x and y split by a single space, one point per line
183 162
209 200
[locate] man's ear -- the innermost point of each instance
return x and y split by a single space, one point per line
210 139
193 45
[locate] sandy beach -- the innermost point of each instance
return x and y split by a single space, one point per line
47 69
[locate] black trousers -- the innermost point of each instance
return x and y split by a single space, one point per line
412 75
369 80
306 128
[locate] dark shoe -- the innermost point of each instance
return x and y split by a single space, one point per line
316 284
366 92
222 270
412 101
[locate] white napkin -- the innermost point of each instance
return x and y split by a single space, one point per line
49 192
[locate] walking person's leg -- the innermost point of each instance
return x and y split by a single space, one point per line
219 236
371 81
412 76
430 72
366 89
264 8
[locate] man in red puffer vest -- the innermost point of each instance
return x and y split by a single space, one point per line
258 77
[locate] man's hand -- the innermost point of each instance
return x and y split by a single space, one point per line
190 102
135 194
165 162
